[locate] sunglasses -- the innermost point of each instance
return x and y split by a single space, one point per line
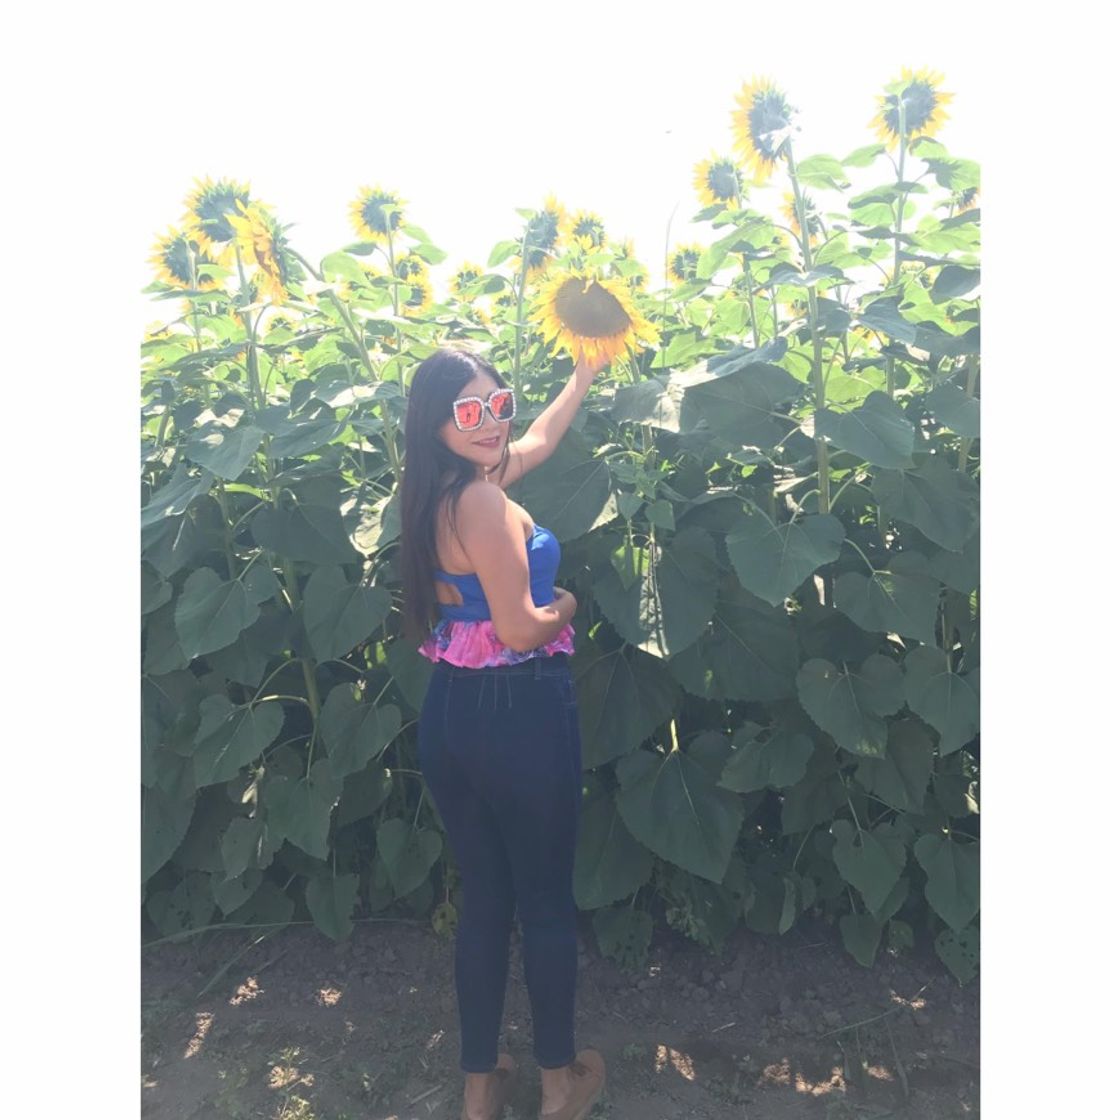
468 414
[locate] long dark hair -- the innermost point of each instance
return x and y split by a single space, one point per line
431 470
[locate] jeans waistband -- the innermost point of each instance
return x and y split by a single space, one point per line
556 664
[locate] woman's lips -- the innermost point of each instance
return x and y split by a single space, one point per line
488 443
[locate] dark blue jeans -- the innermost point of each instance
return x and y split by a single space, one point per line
500 752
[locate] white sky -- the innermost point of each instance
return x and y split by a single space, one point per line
467 115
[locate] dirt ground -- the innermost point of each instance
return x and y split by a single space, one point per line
297 1028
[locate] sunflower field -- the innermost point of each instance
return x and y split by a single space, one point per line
769 511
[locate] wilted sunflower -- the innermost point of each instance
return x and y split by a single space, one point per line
683 261
761 125
209 209
585 229
261 241
921 103
578 312
541 235
718 180
171 256
789 210
464 277
376 213
417 296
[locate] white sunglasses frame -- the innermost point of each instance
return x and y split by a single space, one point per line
485 403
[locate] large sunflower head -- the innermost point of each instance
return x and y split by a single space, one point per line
683 261
465 275
911 106
176 262
261 242
761 124
541 235
376 213
812 217
586 230
210 206
578 312
718 179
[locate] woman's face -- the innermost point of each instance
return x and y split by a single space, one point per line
484 445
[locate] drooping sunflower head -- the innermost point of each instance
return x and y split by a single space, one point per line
376 213
581 313
912 105
683 261
411 267
466 274
416 296
812 217
210 206
261 242
542 232
968 199
718 179
585 229
176 262
761 124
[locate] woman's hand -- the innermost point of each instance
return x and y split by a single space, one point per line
586 370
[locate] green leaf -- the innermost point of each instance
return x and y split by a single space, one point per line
248 843
189 906
610 863
860 934
778 760
408 853
849 703
952 877
338 615
878 431
655 401
211 612
502 252
942 502
623 697
954 282
306 532
672 805
742 406
901 600
230 737
154 592
749 652
229 894
162 651
411 672
949 703
872 861
300 810
955 409
172 499
822 171
568 491
342 266
164 821
660 514
959 570
623 934
882 315
331 902
960 952
225 451
901 776
865 156
363 794
771 560
269 906
355 732
298 438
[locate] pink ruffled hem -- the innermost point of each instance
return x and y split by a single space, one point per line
475 645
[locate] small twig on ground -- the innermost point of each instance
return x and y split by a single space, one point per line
425 1093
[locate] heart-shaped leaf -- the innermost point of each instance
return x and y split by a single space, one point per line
338 614
871 861
331 902
230 737
610 863
878 431
952 877
850 703
355 732
948 702
407 853
211 612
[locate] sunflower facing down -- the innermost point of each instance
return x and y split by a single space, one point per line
466 275
261 241
376 213
912 103
541 235
761 125
210 206
412 267
416 296
171 257
718 180
578 313
683 261
585 229
789 211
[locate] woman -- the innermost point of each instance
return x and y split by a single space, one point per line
499 739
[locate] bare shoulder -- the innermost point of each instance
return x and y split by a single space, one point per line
483 499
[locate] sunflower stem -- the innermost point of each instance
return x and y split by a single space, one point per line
973 364
750 300
520 307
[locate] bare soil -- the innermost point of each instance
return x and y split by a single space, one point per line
295 1027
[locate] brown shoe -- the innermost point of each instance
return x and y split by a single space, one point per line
503 1086
588 1076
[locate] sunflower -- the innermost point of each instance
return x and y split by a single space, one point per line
171 256
412 267
761 125
586 230
376 213
683 261
210 206
417 296
968 199
634 271
464 277
789 211
541 235
718 180
580 312
916 99
355 289
261 241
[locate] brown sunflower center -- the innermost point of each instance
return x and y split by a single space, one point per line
723 180
590 312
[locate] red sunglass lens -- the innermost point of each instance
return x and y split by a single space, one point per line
468 414
501 404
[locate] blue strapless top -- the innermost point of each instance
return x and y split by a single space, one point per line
544 562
